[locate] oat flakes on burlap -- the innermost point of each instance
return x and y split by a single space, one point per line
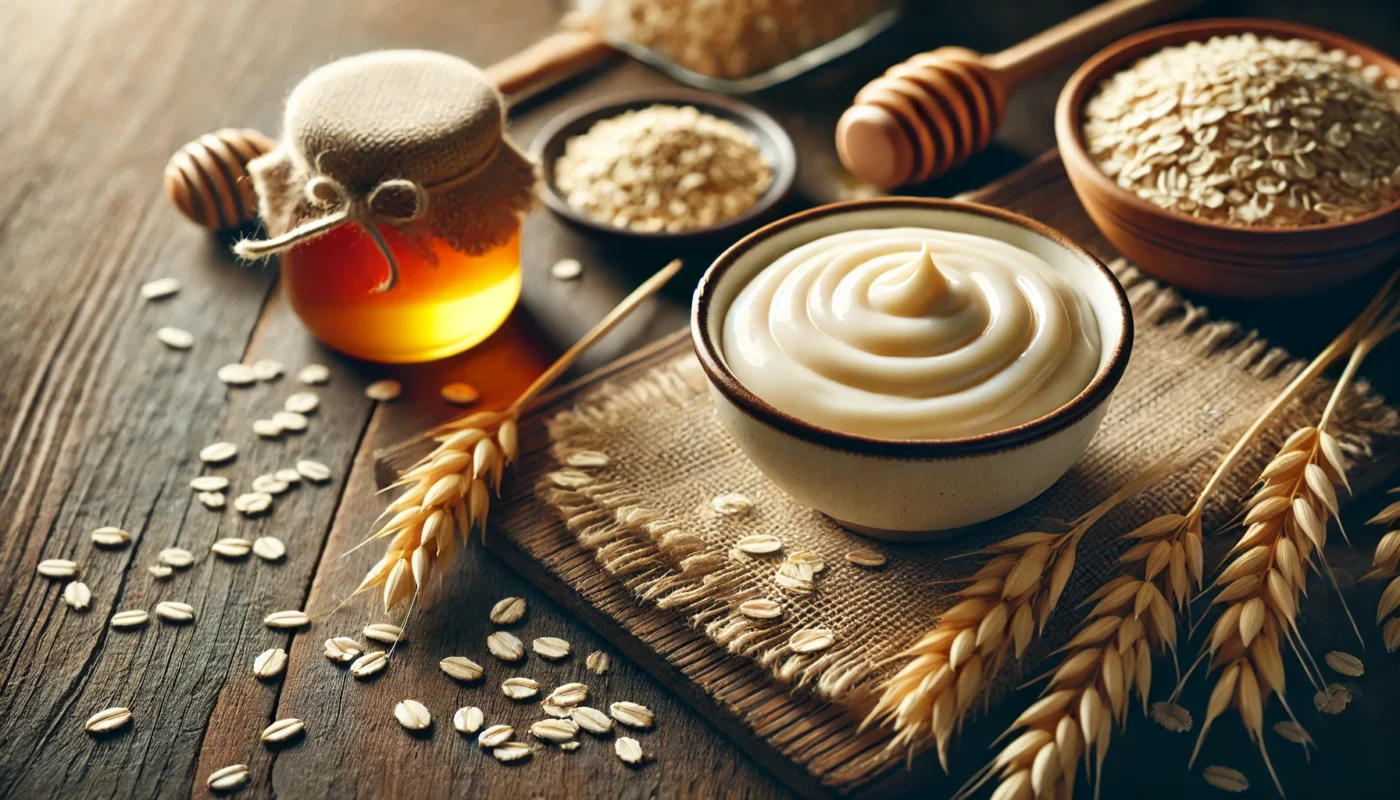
411 139
645 511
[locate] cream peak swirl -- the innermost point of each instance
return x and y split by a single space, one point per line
911 333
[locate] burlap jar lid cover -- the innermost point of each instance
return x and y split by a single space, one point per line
407 138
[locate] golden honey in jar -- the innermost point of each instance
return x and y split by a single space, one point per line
435 310
395 199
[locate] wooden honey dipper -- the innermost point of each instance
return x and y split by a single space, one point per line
929 114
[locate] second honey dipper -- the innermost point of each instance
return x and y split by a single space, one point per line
931 113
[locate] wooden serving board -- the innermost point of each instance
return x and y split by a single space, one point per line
814 747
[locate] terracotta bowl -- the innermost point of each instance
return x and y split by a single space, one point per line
910 489
1209 257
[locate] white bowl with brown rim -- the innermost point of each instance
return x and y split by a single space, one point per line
910 489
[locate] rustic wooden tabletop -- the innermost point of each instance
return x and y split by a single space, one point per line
100 424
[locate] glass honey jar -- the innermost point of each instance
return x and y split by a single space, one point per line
395 199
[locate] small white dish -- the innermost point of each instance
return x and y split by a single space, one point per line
910 490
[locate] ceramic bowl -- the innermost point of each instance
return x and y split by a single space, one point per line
1210 257
773 142
909 490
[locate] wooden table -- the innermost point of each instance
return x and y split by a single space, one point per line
100 424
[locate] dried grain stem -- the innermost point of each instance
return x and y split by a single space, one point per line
1386 564
1003 607
448 491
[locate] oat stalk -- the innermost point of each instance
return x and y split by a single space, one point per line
448 491
1285 530
1385 564
1003 607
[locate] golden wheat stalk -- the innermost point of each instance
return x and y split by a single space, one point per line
1385 563
1004 605
1285 530
1111 654
449 490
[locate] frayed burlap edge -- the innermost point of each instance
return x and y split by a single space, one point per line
662 563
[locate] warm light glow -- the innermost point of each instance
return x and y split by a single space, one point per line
436 309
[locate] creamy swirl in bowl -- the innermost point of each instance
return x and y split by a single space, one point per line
911 333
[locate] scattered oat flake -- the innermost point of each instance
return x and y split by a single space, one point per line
761 608
495 735
1332 700
269 484
505 645
550 647
566 269
134 618
232 547
1230 780
554 730
1293 732
301 402
460 394
175 611
629 750
369 664
554 711
209 483
567 695
108 536
266 428
175 338
342 649
176 557
58 568
731 504
265 369
511 751
312 374
570 746
314 471
218 452
294 421
214 500
508 611
236 375
383 391
588 458
108 719
253 503
811 641
570 478
270 663
1171 716
269 548
1345 663
160 571
633 715
384 632
469 719
591 719
816 562
760 544
282 730
598 662
77 595
160 287
286 619
287 475
413 715
865 558
229 778
520 688
462 668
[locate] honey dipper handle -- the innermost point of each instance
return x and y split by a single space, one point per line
1080 35
551 60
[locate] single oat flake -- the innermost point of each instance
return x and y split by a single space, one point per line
301 403
269 548
218 452
816 562
253 503
550 647
731 504
110 537
313 471
229 778
174 611
598 662
567 695
566 269
760 544
469 719
108 719
461 668
269 484
286 619
811 641
495 735
266 369
1345 663
266 428
413 715
633 715
232 547
761 608
342 649
1225 778
58 568
383 391
384 632
587 459
175 338
1293 732
629 750
369 664
591 719
236 375
520 688
270 663
1171 716
505 646
209 483
77 595
508 611
176 557
283 730
125 620
160 571
312 374
865 558
459 393
511 751
212 500
159 288
554 730
291 421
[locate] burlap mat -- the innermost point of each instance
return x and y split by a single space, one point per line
647 517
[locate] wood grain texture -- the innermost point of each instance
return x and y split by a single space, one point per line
99 424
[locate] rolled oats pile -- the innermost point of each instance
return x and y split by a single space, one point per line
735 38
1253 131
662 168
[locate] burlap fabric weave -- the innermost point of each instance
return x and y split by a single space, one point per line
646 514
409 138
